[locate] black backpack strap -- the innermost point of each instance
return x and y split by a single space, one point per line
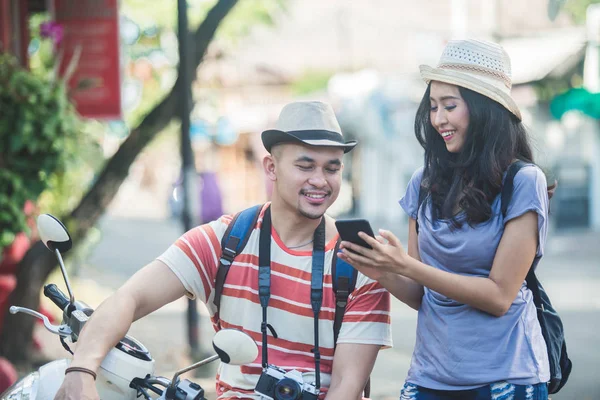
507 186
234 240
550 322
422 196
505 198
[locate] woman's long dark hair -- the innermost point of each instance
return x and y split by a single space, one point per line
472 178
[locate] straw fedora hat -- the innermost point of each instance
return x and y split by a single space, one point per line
481 66
309 122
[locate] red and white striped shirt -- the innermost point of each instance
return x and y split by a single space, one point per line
194 258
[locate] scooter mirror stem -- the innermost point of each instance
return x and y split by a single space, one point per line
171 389
66 277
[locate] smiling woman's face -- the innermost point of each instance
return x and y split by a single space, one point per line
449 114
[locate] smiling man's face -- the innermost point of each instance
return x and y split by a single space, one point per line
307 179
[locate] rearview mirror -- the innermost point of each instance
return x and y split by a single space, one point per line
53 233
232 346
235 347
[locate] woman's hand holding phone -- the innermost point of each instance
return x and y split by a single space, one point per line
374 256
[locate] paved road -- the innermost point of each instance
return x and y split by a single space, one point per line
570 272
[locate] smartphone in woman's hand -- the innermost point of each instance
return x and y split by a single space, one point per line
349 228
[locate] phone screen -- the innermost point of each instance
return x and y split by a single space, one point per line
349 228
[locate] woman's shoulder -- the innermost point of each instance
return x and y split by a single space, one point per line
530 174
530 193
410 201
416 179
418 174
529 187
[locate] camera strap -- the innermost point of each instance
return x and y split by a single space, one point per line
264 278
316 291
316 285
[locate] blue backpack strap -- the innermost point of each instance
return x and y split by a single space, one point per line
343 281
234 240
344 278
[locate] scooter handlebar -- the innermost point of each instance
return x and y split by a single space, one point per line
61 330
52 292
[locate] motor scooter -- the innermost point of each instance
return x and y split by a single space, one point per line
128 371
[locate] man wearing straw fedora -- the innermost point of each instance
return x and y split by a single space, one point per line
290 247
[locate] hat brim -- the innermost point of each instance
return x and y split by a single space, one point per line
316 138
470 82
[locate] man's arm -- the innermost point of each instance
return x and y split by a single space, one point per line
352 365
149 289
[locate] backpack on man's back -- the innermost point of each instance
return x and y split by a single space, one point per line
235 239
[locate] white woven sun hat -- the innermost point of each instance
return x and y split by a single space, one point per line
309 122
481 66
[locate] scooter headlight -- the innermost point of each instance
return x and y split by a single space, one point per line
26 388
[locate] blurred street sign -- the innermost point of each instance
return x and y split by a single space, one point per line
576 99
92 28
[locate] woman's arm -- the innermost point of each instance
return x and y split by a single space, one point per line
493 294
496 293
403 288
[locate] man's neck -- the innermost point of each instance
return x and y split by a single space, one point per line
293 229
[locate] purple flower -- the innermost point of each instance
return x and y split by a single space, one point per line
52 30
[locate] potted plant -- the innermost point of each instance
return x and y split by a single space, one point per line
38 135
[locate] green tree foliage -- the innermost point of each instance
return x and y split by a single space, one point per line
15 338
65 187
576 9
58 179
159 23
565 92
38 137
311 81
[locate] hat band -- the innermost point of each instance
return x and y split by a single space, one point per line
317 134
474 68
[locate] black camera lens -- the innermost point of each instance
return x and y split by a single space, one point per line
287 389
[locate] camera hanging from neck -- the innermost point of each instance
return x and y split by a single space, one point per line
316 285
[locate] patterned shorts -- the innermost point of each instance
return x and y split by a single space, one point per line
495 391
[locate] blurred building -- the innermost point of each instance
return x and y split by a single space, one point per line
371 50
362 56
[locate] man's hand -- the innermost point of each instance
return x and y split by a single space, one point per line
78 386
147 290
